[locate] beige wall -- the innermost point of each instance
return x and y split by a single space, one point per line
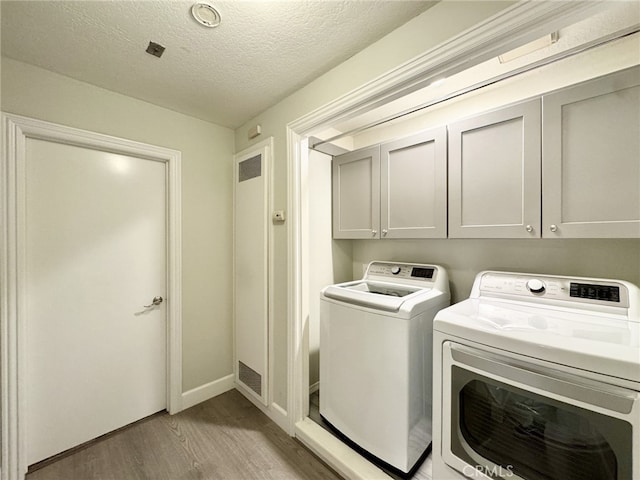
330 261
207 151
464 258
441 22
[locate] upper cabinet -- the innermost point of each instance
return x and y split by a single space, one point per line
413 186
356 194
494 174
394 190
591 158
566 165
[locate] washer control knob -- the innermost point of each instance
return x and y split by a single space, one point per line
395 270
535 286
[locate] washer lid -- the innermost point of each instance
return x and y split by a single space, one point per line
382 296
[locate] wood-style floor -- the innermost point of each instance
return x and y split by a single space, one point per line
223 438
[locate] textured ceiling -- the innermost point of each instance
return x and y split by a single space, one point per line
261 52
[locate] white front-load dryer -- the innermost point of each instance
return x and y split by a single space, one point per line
376 360
537 377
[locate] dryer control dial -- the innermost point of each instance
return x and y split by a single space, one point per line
536 286
395 269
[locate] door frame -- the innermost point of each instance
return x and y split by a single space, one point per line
16 130
522 22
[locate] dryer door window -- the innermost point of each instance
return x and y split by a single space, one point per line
505 430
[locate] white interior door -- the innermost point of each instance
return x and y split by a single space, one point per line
95 248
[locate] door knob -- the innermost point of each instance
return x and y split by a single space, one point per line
154 302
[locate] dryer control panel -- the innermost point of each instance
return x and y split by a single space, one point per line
525 286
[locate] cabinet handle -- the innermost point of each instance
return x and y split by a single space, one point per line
529 228
384 233
553 228
374 233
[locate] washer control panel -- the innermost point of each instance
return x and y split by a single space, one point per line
554 288
402 270
536 286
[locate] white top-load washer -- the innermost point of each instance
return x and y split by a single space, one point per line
538 377
375 360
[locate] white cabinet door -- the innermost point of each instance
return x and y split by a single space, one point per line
356 194
591 158
413 181
494 174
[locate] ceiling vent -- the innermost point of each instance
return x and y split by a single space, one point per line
155 49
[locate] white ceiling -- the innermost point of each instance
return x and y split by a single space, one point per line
261 52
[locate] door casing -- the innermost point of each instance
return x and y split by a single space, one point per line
16 130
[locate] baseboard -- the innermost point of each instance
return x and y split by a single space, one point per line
207 391
274 411
279 416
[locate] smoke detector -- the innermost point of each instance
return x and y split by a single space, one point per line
205 14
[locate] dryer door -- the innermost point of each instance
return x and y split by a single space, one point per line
507 417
